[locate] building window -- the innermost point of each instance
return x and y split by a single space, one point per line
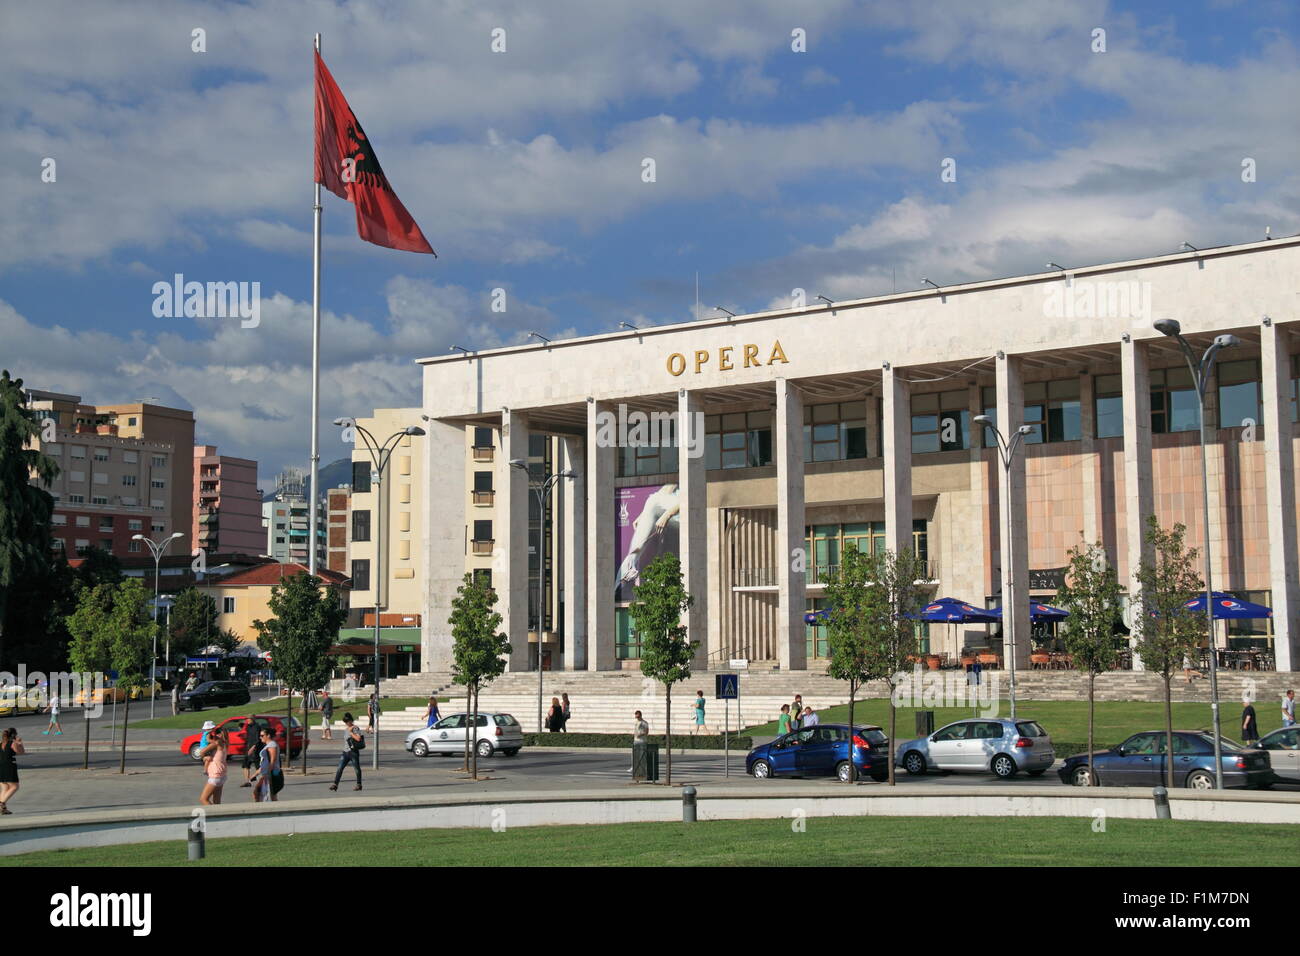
941 421
106 523
77 476
361 574
157 483
131 457
101 454
627 643
160 461
128 481
825 543
835 432
157 526
1052 411
1174 405
1239 394
656 459
98 500
106 544
76 499
59 520
818 635
227 605
360 477
483 494
82 544
134 524
361 525
76 451
133 546
483 576
1108 405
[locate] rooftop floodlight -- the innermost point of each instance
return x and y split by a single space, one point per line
1168 327
628 325
718 308
457 348
928 282
1053 265
826 300
540 336
1188 247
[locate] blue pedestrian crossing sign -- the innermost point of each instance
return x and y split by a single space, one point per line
728 686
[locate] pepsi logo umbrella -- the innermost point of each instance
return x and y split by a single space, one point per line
1227 607
953 611
1037 612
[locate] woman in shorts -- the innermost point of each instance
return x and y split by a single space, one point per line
269 779
214 756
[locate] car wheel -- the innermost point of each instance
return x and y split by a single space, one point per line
1200 780
1081 778
914 763
485 748
194 751
761 769
420 748
842 771
1004 767
1038 773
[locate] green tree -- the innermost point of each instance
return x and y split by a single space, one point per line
90 644
1090 593
25 509
306 625
97 567
39 604
131 636
479 651
1168 632
193 616
871 635
666 647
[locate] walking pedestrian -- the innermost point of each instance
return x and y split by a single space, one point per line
640 731
1249 730
11 746
809 719
783 726
1288 709
252 753
568 712
54 718
555 716
353 744
326 716
431 713
193 681
372 712
215 756
176 697
796 711
269 779
699 714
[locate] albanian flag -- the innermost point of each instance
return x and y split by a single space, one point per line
346 165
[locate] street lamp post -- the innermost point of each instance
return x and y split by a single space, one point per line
156 548
1201 371
379 453
543 490
1007 453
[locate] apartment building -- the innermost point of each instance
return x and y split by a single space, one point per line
228 509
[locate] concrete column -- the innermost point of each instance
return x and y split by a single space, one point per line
601 463
791 637
1279 486
1088 458
715 585
510 563
1139 491
873 431
446 538
692 534
896 449
572 493
1011 497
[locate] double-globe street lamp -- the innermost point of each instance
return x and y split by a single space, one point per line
380 453
1010 602
156 548
543 490
1201 371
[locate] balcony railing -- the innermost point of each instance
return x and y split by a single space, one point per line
484 497
483 547
484 452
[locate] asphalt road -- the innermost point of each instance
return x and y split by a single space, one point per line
157 774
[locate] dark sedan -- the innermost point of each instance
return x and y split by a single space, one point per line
1140 762
822 751
215 693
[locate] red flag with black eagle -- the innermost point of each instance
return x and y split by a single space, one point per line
346 165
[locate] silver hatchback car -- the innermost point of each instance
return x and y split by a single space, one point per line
496 732
997 745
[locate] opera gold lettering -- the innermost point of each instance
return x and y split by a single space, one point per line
700 358
751 356
724 359
676 363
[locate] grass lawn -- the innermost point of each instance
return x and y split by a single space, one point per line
1065 720
843 841
191 720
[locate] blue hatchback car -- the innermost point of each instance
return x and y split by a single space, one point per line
1140 762
820 751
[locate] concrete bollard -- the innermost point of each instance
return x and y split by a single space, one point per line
197 847
688 805
1162 803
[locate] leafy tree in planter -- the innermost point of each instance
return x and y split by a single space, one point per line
479 650
874 599
666 648
1168 631
1090 593
25 509
306 625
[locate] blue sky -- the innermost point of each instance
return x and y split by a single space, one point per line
775 170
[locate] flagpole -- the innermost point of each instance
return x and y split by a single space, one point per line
315 376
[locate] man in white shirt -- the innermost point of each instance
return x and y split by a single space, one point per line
809 719
640 731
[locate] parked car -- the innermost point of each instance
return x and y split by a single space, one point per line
215 693
1140 762
21 700
822 750
1283 750
495 732
234 727
142 691
98 695
997 745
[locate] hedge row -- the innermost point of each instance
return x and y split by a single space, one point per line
680 741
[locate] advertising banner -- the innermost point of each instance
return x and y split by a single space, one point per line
646 523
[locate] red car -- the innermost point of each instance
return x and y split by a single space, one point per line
234 726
